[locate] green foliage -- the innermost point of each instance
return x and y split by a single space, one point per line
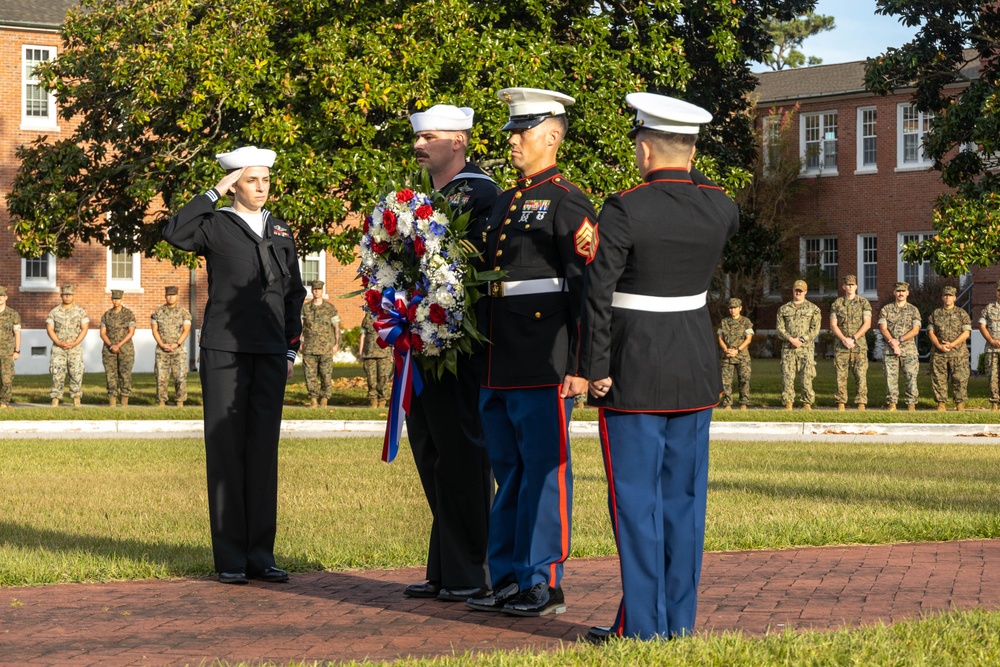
160 86
956 41
350 339
788 37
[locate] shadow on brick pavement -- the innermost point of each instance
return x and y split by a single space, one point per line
341 616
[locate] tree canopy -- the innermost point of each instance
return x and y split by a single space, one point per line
788 36
159 86
953 69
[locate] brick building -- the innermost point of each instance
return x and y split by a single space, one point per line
29 34
870 188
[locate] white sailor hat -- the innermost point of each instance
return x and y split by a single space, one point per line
530 106
442 117
247 156
665 114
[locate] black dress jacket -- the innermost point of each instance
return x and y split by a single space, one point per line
663 238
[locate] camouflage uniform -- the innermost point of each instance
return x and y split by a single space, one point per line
170 324
991 318
849 315
733 333
67 323
378 363
899 320
800 322
118 367
10 322
319 333
948 324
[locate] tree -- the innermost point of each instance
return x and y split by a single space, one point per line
160 86
788 37
953 67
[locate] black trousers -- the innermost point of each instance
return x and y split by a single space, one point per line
243 396
446 437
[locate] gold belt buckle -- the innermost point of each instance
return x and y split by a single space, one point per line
496 289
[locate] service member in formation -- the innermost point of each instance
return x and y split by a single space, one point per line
541 233
443 424
171 325
67 326
989 326
798 326
10 348
899 324
320 341
850 320
249 341
377 362
735 333
653 367
118 353
948 328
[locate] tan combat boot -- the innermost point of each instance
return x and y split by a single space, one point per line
313 403
960 407
807 407
743 406
911 407
372 403
840 407
727 407
162 404
994 407
382 402
55 403
180 404
788 407
112 401
76 402
942 407
124 401
861 407
322 402
891 407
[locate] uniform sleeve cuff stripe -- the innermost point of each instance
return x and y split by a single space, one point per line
213 195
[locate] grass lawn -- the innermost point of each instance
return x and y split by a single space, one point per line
349 400
96 510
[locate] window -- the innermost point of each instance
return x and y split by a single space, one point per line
39 106
313 267
771 140
914 273
867 154
818 136
912 127
868 265
819 263
124 271
38 275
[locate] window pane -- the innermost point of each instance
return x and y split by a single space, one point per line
310 270
37 268
121 266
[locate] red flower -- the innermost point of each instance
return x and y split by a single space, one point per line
404 196
380 247
438 314
364 281
411 313
374 300
416 342
389 222
418 246
424 212
368 222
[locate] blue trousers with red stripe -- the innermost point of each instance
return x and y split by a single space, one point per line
527 440
657 468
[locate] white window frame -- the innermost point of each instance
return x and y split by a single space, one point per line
770 139
862 135
923 125
321 256
50 122
823 254
132 285
871 294
823 138
924 270
39 284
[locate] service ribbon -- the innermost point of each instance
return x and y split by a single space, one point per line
393 329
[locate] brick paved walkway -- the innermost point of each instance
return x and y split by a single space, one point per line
356 615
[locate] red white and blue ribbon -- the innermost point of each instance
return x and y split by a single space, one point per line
393 329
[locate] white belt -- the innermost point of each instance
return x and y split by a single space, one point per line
523 287
658 304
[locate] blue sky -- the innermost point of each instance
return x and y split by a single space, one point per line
859 34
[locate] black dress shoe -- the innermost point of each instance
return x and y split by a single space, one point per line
461 594
428 589
599 634
494 601
271 574
538 600
233 577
